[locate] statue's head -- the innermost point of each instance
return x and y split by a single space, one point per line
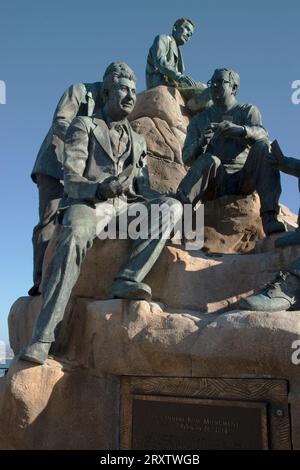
119 90
183 29
224 84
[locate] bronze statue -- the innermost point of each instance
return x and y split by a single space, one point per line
227 149
283 293
82 99
165 65
105 161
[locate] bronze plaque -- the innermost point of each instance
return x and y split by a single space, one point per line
160 422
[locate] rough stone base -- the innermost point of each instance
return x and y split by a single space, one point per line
74 403
55 407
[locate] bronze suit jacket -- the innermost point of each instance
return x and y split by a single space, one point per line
82 99
89 160
164 62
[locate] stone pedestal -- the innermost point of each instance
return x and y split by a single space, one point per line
73 401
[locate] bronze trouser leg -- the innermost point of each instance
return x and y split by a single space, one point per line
145 252
204 181
76 236
79 229
258 174
50 193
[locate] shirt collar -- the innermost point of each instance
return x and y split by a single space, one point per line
110 123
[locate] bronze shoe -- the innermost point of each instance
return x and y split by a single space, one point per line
124 289
279 295
36 352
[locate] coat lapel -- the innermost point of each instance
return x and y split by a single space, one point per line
174 47
102 135
134 145
180 61
178 56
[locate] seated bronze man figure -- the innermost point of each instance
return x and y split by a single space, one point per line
105 163
165 66
164 62
227 149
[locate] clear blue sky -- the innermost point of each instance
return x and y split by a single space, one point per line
47 45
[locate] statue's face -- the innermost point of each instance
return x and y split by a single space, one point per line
221 87
183 33
121 98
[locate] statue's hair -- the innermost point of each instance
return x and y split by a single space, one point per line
180 21
233 76
117 70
